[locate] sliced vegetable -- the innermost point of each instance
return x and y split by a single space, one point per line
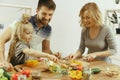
95 70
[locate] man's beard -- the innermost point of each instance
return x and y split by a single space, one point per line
42 22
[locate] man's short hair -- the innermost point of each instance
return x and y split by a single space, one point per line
48 3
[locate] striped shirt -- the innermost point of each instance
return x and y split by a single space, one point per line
19 57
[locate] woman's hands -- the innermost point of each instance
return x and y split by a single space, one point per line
90 57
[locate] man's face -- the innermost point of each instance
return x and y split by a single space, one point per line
44 15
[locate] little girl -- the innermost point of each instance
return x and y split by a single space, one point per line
20 50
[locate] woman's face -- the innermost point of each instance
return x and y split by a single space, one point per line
88 21
28 34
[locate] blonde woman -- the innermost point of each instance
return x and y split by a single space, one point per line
96 36
20 49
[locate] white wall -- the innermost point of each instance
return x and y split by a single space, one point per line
9 14
65 22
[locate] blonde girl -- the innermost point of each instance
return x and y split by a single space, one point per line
20 49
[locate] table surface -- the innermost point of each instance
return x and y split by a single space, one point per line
47 75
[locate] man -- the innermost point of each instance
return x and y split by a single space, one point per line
42 30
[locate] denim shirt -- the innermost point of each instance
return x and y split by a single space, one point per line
44 32
40 34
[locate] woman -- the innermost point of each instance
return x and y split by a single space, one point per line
98 38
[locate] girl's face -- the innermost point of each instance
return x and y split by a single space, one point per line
88 21
28 34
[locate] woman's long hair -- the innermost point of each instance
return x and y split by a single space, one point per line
18 34
94 12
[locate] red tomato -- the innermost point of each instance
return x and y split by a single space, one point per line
15 76
25 72
79 67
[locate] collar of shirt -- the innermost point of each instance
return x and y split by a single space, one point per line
45 30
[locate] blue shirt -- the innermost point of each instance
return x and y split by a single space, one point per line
39 34
44 32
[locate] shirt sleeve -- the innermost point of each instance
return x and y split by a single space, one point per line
50 34
82 42
111 41
49 37
19 48
19 57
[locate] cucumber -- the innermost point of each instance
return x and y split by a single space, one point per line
8 75
95 70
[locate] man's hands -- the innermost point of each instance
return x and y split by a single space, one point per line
58 55
74 56
71 56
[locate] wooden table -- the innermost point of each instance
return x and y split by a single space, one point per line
103 66
96 64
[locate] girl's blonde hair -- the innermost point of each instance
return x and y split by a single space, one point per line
20 27
94 11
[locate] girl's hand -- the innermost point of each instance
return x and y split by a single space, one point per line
7 66
53 58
